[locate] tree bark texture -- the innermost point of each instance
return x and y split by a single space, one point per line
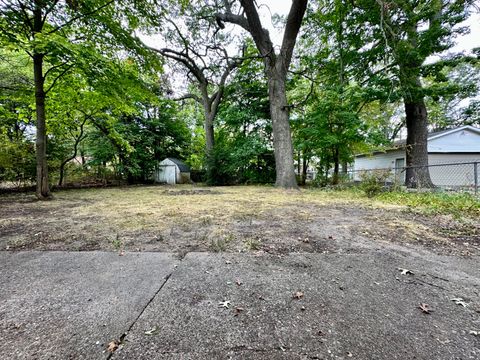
209 129
417 173
276 67
304 170
42 188
282 139
336 165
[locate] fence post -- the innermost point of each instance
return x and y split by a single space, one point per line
475 176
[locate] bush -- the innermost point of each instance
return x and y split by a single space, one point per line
17 162
373 182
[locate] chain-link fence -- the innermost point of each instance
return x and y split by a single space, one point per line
464 176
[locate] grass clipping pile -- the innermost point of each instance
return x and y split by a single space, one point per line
185 218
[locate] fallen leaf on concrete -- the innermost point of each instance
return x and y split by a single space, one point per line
225 304
474 333
459 301
238 310
298 295
152 331
425 308
112 346
405 271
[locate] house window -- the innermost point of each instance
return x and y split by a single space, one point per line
399 164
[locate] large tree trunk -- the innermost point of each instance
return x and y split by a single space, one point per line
336 165
304 170
282 139
276 67
42 190
417 173
209 132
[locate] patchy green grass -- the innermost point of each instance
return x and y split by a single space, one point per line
437 203
460 205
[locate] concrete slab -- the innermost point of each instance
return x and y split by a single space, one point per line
59 305
355 306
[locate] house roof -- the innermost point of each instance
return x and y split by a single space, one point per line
181 165
400 144
437 134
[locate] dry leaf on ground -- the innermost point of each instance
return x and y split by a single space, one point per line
425 308
112 346
405 271
459 301
152 331
225 304
298 295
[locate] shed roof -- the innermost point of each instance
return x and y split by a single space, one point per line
181 165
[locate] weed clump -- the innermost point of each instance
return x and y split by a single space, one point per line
373 182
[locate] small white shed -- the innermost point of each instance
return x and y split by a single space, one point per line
172 171
459 145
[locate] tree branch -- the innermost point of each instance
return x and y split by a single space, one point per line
49 10
53 68
188 96
184 59
58 77
232 18
81 16
294 21
25 14
214 101
259 34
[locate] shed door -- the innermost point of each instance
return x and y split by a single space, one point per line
167 174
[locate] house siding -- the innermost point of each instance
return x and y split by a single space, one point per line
463 141
453 175
378 161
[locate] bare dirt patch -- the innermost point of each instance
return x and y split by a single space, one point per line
177 219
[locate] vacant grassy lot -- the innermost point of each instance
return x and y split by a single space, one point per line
187 218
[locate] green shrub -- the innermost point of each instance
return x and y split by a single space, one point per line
373 182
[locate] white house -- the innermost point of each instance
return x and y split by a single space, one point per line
459 145
172 171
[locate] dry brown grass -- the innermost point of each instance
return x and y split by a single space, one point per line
187 218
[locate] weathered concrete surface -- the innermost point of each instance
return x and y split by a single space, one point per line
354 306
58 305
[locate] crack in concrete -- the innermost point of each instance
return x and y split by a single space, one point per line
124 335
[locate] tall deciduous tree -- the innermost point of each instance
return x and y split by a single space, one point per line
405 34
202 52
276 68
51 32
